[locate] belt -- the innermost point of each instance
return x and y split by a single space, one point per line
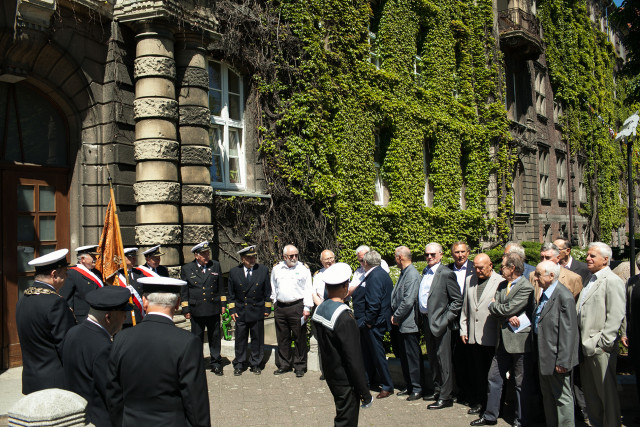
288 304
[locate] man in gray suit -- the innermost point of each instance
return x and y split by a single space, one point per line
555 331
440 301
513 303
404 331
601 309
478 329
517 248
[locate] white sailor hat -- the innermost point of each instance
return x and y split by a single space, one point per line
90 249
130 251
248 251
337 274
154 251
200 247
161 284
51 261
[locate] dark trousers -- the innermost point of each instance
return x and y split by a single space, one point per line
212 324
461 360
243 329
288 328
374 356
481 357
520 365
407 349
439 354
347 405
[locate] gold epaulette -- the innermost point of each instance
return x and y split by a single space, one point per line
267 304
275 265
305 264
316 273
39 291
185 304
223 298
231 305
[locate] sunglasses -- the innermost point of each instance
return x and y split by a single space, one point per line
292 256
430 255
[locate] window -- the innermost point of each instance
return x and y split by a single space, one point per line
379 195
543 171
227 122
518 187
582 189
374 56
541 100
417 69
428 185
557 112
561 174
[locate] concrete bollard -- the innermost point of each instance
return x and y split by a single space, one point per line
50 407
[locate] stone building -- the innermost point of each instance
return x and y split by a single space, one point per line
128 89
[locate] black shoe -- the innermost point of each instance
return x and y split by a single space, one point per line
439 404
218 371
475 409
517 423
237 372
299 374
482 421
281 371
413 396
404 392
256 370
322 377
432 396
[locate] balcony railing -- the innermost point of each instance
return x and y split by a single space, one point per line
515 19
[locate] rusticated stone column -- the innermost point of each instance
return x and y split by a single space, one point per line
157 188
195 158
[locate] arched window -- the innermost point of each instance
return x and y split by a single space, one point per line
32 129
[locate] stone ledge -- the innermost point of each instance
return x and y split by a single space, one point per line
196 155
154 192
146 108
154 66
156 149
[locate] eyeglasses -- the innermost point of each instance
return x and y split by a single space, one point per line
328 259
429 255
292 256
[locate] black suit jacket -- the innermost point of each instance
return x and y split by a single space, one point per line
156 376
204 294
250 299
445 301
581 269
161 270
471 271
42 322
85 355
75 289
372 302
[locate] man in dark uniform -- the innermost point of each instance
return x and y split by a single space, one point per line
156 374
130 255
249 304
203 300
43 318
339 346
82 279
151 266
86 348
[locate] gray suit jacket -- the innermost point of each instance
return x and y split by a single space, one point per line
475 321
519 300
601 314
403 299
445 301
557 341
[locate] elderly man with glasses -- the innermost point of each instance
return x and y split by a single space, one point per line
291 290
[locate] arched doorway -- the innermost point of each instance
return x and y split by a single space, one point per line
34 207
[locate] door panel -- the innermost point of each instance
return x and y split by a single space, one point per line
35 221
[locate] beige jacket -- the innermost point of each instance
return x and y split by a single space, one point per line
475 320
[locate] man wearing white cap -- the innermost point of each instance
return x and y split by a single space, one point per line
249 304
203 300
339 346
152 266
130 255
86 349
156 374
82 279
43 318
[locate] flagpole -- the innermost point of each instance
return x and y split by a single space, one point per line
120 247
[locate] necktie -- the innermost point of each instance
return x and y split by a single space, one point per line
508 288
248 274
204 270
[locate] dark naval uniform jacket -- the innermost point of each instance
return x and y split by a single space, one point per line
160 271
156 376
134 275
43 319
250 298
85 355
204 293
75 289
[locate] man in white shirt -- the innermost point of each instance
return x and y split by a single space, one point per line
358 275
327 259
291 290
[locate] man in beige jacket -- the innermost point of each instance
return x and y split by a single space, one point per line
571 280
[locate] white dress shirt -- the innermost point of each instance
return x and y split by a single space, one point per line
425 287
318 283
358 275
461 274
585 291
290 284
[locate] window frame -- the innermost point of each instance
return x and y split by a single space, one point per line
561 176
543 173
227 126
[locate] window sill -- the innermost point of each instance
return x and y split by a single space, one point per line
545 201
230 193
